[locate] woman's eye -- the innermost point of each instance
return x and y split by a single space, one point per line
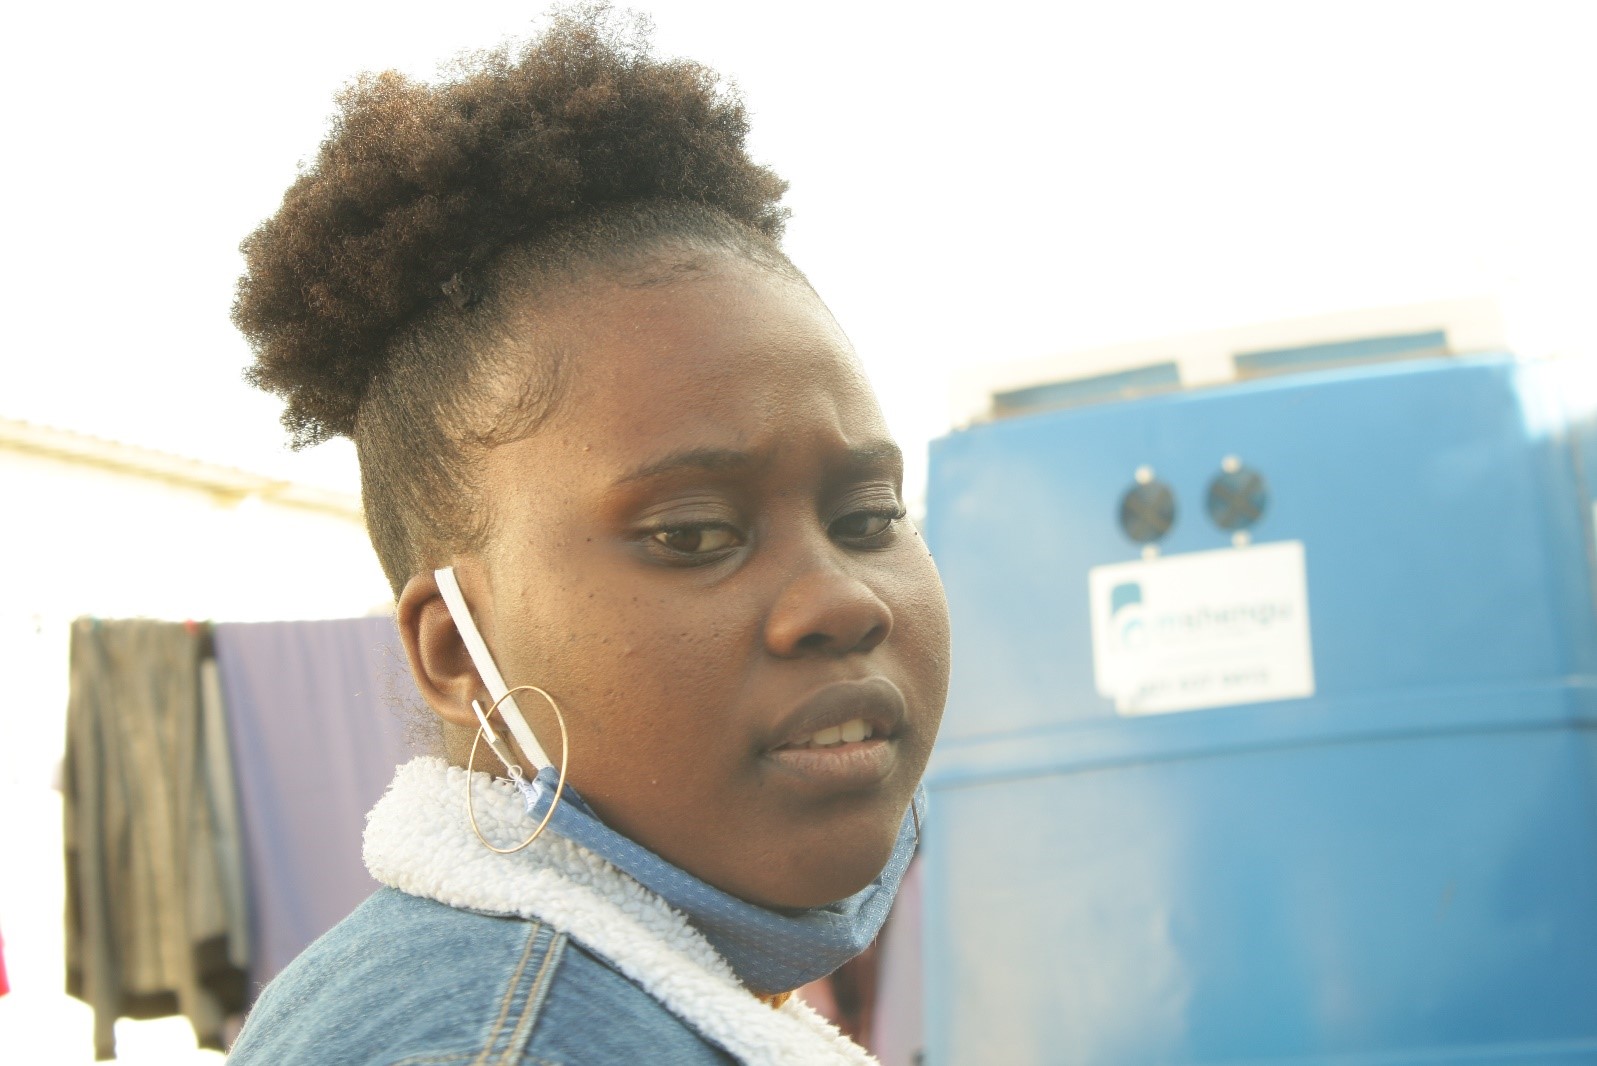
865 525
697 540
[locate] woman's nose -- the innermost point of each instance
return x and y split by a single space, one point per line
825 610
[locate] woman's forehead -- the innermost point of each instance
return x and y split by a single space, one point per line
737 357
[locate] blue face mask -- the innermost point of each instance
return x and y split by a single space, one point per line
769 950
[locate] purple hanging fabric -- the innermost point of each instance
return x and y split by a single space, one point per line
315 721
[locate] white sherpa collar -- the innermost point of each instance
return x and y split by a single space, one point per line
419 841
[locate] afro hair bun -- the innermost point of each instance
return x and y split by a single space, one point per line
419 185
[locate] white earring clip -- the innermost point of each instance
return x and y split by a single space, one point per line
489 672
498 746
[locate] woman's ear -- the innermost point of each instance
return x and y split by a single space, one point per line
438 658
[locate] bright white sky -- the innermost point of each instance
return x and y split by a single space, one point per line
970 182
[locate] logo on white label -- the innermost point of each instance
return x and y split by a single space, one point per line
1207 629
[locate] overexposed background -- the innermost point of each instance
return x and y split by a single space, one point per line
971 184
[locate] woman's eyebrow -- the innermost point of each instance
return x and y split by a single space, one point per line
871 455
714 460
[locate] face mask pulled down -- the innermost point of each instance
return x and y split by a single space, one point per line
769 950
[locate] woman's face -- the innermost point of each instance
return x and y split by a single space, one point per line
701 554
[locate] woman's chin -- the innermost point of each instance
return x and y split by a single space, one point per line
815 879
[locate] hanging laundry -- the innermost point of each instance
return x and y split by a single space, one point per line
316 726
149 903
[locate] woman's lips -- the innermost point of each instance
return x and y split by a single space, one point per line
844 736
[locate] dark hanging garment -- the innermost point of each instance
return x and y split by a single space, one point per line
313 713
151 896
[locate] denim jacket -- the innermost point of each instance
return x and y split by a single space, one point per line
547 956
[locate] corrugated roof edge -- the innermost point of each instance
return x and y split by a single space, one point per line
225 482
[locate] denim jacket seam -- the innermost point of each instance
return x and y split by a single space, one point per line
536 994
490 1045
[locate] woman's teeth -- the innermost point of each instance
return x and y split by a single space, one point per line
850 732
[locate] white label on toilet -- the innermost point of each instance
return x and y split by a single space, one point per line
1206 629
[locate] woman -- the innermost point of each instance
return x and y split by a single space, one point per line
613 446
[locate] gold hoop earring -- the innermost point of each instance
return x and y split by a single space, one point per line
515 771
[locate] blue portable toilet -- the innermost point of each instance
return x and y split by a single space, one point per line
1272 731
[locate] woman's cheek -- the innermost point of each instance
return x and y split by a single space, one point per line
654 683
927 653
921 607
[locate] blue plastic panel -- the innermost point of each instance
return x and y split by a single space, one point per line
1401 868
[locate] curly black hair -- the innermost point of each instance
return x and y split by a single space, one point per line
374 297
